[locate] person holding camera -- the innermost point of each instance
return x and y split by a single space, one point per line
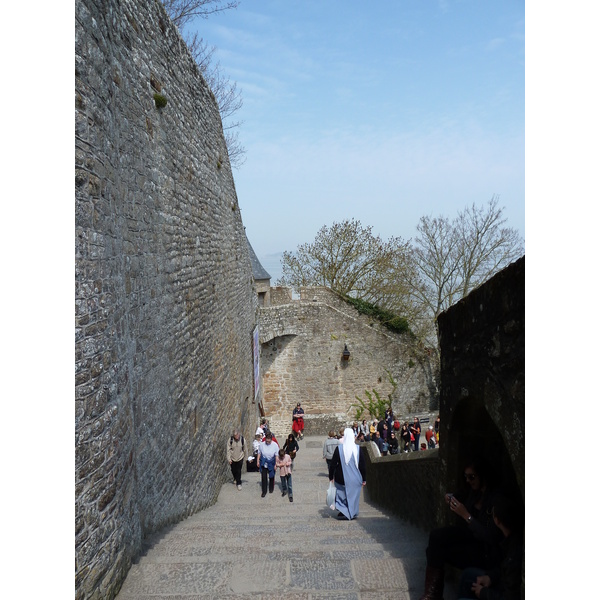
503 582
474 541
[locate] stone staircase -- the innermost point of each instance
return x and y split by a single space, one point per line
246 546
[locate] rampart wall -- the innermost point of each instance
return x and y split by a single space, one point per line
165 309
302 342
482 406
482 394
165 305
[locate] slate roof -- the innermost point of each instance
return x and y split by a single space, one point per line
258 271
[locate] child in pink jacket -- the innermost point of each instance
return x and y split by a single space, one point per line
283 462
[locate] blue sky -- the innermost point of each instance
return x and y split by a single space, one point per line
382 111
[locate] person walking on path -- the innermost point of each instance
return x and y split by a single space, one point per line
329 445
267 455
298 421
283 462
347 471
237 455
291 446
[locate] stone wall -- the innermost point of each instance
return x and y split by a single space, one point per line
482 395
165 305
482 406
302 343
405 484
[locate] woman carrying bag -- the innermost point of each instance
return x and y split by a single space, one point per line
347 472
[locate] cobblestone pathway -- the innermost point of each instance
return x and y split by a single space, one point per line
246 546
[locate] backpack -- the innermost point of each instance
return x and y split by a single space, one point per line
231 443
384 447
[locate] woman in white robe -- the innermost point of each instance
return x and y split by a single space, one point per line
347 471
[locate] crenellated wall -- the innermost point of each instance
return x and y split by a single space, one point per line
165 305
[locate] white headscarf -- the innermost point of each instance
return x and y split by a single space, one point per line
350 447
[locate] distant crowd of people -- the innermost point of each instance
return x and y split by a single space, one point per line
393 436
267 455
486 543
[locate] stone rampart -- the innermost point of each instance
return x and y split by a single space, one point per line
165 305
482 395
405 484
482 406
302 343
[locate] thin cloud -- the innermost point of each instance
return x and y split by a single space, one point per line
494 44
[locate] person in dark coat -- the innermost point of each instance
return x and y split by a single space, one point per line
474 541
393 443
503 582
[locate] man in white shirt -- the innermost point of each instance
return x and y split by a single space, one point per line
267 453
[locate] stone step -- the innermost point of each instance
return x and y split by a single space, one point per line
245 546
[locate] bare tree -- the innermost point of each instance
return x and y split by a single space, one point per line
182 12
436 264
486 246
453 258
226 92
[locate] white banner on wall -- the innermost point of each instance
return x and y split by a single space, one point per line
256 355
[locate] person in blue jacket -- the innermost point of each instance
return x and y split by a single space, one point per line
267 453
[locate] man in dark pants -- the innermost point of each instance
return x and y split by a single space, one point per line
267 453
236 455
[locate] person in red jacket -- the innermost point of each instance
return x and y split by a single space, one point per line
430 437
298 421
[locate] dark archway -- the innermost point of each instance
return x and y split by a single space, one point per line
475 434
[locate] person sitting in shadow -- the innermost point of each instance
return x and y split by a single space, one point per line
474 541
503 582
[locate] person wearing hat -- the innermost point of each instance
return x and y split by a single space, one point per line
298 421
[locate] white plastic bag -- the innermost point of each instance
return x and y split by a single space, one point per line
331 496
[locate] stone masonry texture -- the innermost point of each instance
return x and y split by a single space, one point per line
482 395
302 342
165 305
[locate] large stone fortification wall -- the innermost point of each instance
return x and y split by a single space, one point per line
482 394
482 406
164 302
302 342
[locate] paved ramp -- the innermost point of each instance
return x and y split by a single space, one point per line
246 546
